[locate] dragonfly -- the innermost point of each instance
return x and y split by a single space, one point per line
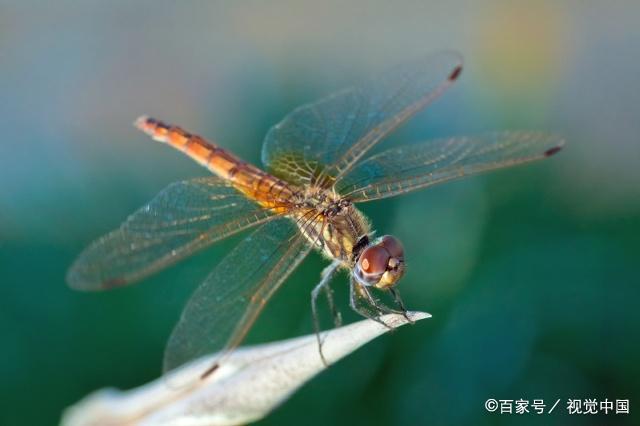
315 172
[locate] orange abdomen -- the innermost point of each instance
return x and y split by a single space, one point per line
256 184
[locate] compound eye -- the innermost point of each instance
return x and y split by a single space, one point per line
374 260
393 246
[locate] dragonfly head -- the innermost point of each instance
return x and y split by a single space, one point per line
381 264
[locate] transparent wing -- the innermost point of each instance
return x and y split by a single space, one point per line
225 306
322 141
185 217
408 168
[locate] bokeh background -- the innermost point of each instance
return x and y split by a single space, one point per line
531 274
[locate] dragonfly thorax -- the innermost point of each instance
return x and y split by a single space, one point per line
331 224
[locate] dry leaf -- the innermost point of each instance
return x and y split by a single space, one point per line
249 384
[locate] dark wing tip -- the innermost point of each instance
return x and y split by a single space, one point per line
552 151
209 371
455 73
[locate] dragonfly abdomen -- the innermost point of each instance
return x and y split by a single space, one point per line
262 187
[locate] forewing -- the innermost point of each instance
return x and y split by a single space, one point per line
322 141
224 307
404 169
185 217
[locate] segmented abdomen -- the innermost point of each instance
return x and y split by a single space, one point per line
256 184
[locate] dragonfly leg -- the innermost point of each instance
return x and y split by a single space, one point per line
357 294
335 313
400 303
323 285
384 309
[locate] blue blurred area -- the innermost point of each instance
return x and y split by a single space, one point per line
530 274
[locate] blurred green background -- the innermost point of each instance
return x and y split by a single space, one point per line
531 274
